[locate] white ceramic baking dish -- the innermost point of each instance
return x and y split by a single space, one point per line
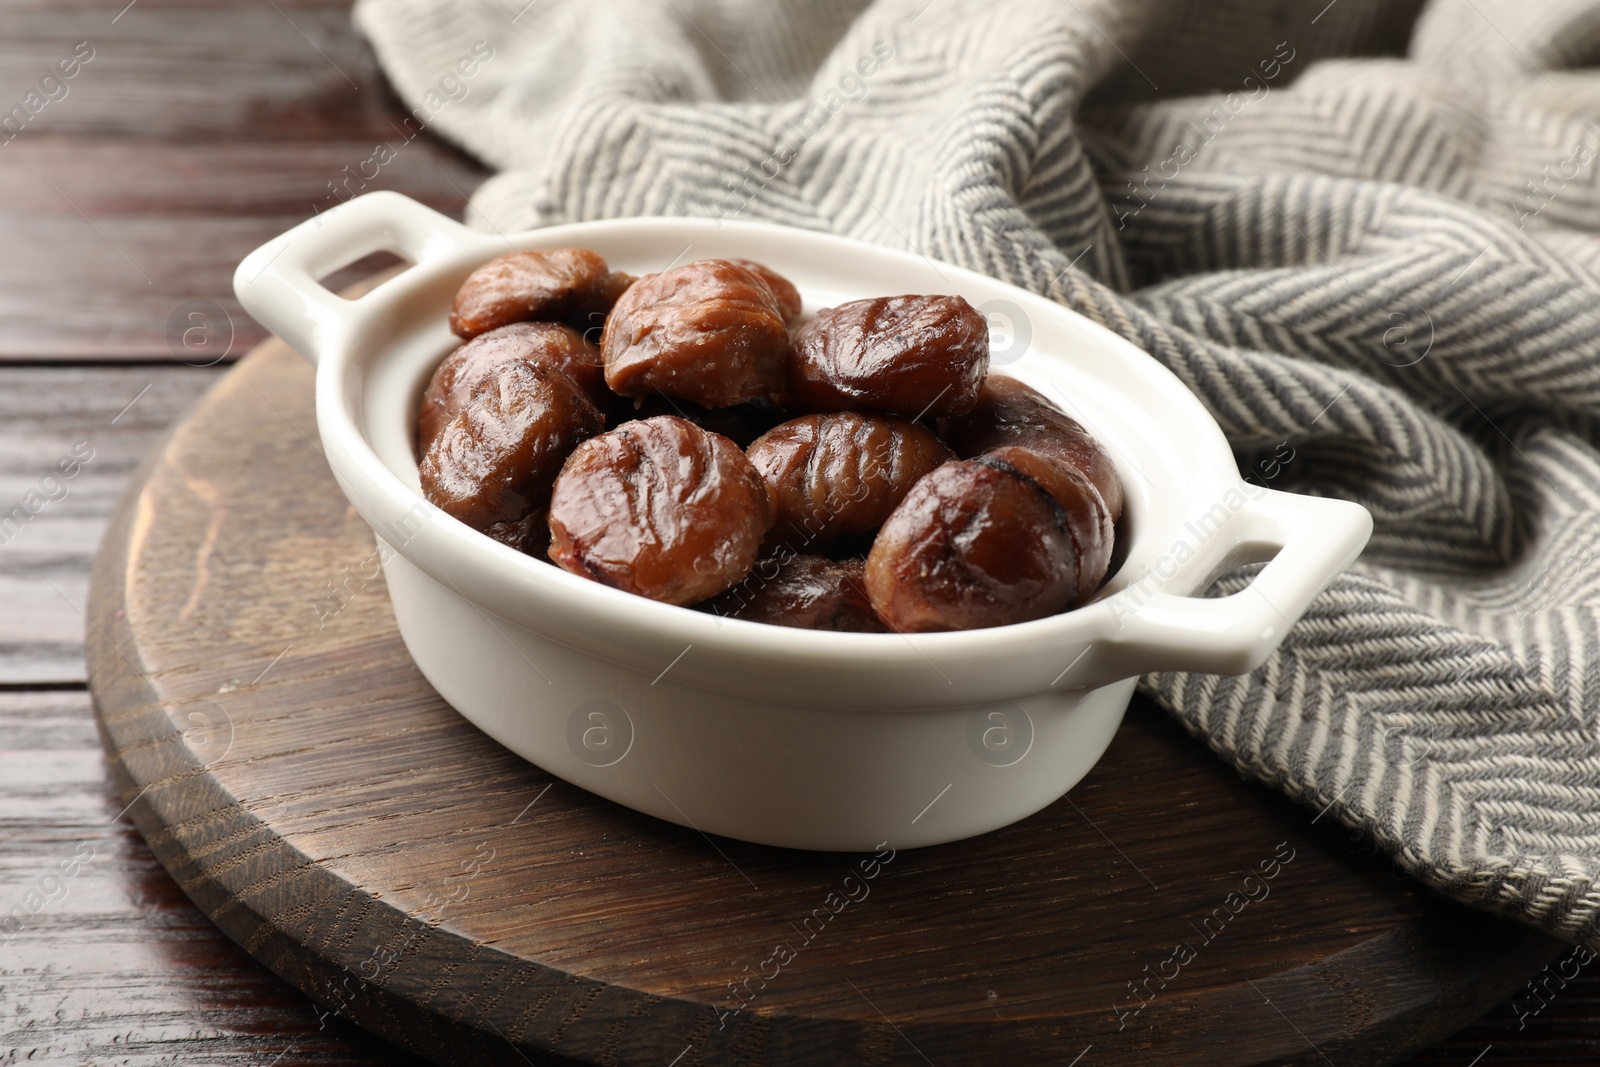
768 734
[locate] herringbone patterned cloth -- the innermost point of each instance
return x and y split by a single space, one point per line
1365 236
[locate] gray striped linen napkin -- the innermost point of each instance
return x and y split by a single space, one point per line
1364 236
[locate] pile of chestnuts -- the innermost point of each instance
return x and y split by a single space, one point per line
683 436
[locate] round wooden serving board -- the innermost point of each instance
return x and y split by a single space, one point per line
312 794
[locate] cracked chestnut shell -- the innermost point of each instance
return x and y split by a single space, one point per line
836 478
803 591
495 461
659 508
908 355
974 544
711 332
548 284
1008 412
521 342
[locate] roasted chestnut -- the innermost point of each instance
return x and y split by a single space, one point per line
550 285
1009 412
835 478
660 508
804 591
710 332
974 544
910 355
495 461
783 289
527 342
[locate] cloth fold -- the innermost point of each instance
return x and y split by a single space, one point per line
1366 238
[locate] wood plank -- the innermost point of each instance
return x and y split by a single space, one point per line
110 246
121 288
102 957
196 72
285 179
50 415
115 288
173 153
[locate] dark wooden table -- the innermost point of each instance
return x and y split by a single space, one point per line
194 133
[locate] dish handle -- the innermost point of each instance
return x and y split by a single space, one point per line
1307 541
278 286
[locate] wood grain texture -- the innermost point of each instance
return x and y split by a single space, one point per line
195 133
195 71
99 421
102 958
267 180
149 276
318 800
